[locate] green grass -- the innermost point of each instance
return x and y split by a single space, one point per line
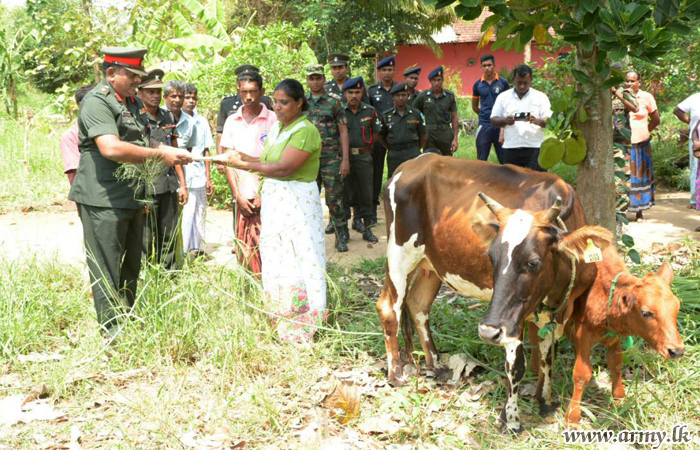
31 169
195 355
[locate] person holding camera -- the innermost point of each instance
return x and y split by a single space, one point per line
522 112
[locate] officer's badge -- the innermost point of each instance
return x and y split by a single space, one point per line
104 89
497 90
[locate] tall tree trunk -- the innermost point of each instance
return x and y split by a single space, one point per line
596 182
13 95
527 53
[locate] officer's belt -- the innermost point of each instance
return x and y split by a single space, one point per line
360 150
443 126
402 147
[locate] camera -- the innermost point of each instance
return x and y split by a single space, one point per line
524 116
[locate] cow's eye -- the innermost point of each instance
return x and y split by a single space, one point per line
647 314
533 264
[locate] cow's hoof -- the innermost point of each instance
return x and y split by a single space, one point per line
506 430
548 410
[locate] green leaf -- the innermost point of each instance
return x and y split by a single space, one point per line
618 53
639 12
467 13
634 256
582 115
590 5
612 81
526 34
491 20
648 29
581 77
679 28
470 3
627 240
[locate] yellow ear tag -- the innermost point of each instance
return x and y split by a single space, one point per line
592 253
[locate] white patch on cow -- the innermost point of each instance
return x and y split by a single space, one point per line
546 369
422 154
515 232
512 413
467 289
389 362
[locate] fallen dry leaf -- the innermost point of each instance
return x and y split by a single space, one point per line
379 425
462 365
344 402
37 392
13 410
528 389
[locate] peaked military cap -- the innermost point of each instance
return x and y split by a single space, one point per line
128 57
436 72
314 69
412 70
154 80
245 68
389 61
338 59
354 83
398 87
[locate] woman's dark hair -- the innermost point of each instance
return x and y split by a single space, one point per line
294 89
522 71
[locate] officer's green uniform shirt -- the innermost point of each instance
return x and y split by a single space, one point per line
332 86
437 110
300 134
326 112
364 126
101 113
402 130
162 129
412 98
380 98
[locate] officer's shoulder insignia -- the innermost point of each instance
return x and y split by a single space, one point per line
143 111
104 90
333 95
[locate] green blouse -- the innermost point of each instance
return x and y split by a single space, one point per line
300 134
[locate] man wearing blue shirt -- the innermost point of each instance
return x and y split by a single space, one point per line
485 91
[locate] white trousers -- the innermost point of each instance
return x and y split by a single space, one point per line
194 214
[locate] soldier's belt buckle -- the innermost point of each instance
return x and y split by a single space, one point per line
355 151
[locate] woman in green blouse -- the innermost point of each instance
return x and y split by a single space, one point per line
292 240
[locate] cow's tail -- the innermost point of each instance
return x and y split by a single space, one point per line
407 329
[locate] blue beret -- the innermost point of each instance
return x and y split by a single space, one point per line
398 87
389 61
408 72
437 72
354 83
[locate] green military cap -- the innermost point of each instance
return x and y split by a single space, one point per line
338 59
128 57
154 80
245 68
314 69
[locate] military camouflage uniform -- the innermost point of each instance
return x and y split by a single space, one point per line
327 113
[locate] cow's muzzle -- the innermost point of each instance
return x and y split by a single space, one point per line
491 335
673 353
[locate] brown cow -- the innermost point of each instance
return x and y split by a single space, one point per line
521 260
643 307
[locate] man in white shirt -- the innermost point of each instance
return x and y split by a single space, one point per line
688 111
523 112
199 183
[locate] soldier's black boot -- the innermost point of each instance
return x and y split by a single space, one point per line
345 233
357 225
341 244
367 235
330 229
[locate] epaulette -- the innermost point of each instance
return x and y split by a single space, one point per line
104 90
333 95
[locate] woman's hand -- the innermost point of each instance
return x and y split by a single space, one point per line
231 158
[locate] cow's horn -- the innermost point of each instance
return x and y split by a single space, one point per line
554 211
492 204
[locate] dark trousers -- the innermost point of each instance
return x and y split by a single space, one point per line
358 189
113 247
441 140
523 157
378 156
485 137
395 158
161 230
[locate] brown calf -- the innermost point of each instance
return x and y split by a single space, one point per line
643 307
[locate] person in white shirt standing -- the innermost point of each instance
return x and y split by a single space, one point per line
523 112
199 184
688 111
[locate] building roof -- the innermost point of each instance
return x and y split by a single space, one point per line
462 32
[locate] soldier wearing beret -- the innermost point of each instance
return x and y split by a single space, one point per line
364 127
114 129
439 106
411 77
229 105
326 111
382 101
403 129
159 234
339 71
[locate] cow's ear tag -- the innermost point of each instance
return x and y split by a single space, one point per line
592 253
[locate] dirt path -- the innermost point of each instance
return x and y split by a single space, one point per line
59 234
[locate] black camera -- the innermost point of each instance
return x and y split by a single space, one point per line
524 116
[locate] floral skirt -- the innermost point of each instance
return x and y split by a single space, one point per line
641 177
293 251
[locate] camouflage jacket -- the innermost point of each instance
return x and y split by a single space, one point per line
327 113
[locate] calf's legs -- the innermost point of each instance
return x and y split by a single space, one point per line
419 300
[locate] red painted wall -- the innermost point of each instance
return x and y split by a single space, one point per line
456 57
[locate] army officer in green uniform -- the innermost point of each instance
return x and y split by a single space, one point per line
113 129
411 77
439 107
364 127
403 130
340 71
